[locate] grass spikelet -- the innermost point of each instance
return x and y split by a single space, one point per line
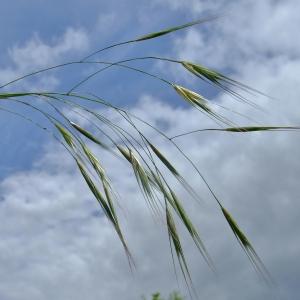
172 29
140 174
66 135
157 183
163 159
221 81
198 102
95 163
125 153
173 200
244 129
172 169
101 174
93 160
139 171
191 229
246 245
203 72
105 207
174 238
259 128
88 135
192 97
96 193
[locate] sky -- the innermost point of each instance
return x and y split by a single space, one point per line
55 241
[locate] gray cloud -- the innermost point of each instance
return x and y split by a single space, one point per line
54 244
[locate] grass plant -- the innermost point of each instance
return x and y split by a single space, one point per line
140 154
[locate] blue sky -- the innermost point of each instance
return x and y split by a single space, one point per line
55 244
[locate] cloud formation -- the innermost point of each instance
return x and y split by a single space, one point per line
36 54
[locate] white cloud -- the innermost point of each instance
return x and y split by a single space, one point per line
248 32
36 54
194 6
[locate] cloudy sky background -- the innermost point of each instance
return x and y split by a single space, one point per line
54 242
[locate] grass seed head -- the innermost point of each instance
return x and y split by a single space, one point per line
66 134
89 135
193 98
203 72
173 29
